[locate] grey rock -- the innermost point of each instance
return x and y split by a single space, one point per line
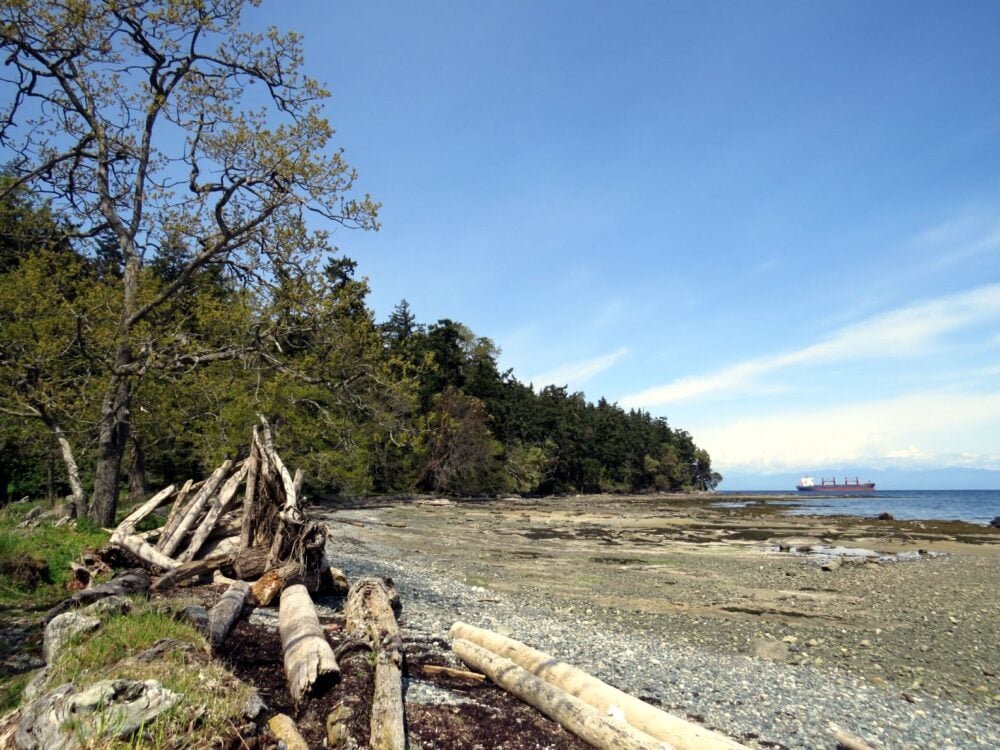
255 706
106 709
161 648
35 685
768 648
196 615
112 605
63 627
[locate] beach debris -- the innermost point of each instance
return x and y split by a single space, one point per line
995 523
886 516
370 616
848 740
310 663
577 700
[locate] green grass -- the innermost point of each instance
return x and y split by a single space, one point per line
56 546
209 692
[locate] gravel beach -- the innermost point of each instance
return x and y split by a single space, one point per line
653 599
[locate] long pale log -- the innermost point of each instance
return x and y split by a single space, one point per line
369 615
190 570
283 727
288 483
175 511
127 527
146 552
266 588
226 612
680 733
309 661
218 507
583 720
251 496
188 519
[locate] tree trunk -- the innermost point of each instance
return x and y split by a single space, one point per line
77 496
137 486
113 432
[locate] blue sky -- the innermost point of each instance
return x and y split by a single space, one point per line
775 223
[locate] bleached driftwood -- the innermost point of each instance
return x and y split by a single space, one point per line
197 505
583 720
177 510
226 612
189 570
125 537
369 615
849 740
461 674
680 733
309 661
219 506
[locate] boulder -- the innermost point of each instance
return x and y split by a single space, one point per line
63 627
995 523
769 648
105 710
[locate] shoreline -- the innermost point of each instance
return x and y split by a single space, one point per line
681 587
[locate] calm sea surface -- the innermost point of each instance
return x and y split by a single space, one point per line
976 506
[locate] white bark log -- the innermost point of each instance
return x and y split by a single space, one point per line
291 507
583 720
218 507
198 503
173 515
309 660
682 734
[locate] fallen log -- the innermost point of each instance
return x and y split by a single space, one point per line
283 727
176 511
268 586
309 661
583 720
680 733
369 615
291 507
226 612
189 570
250 497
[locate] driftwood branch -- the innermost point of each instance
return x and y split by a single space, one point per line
223 616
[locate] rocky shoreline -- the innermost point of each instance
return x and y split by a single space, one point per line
699 609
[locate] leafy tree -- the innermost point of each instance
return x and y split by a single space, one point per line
159 120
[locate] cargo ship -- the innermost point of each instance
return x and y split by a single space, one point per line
807 484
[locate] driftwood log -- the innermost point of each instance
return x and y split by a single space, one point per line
849 740
370 616
680 733
226 612
309 661
586 722
123 584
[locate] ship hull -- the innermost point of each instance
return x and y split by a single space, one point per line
838 489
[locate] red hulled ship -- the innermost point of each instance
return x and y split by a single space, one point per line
807 484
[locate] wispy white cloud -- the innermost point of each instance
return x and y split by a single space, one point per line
930 428
906 332
575 373
957 240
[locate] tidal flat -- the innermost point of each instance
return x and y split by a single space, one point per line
908 608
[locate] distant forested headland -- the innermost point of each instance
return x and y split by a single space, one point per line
163 281
363 406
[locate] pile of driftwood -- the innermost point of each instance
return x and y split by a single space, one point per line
261 541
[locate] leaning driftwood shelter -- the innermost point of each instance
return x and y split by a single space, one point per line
263 528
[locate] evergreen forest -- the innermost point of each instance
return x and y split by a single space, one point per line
162 283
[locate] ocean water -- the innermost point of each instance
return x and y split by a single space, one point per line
975 506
